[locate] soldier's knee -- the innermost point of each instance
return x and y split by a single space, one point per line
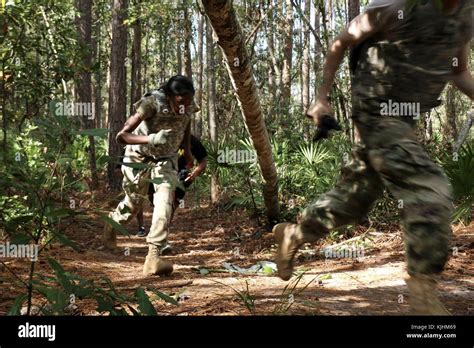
427 247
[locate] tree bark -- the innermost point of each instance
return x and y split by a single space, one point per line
187 38
117 88
317 50
200 60
84 82
306 71
354 9
136 83
287 56
97 85
211 100
231 39
450 127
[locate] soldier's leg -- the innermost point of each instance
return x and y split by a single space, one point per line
166 247
424 193
351 199
163 207
134 185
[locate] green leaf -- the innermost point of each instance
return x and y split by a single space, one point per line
63 279
156 181
98 132
20 238
61 212
19 220
267 270
165 297
16 308
144 302
115 225
56 266
104 304
57 297
67 242
133 310
136 165
125 210
326 276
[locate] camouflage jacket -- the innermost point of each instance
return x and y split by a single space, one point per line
156 114
411 58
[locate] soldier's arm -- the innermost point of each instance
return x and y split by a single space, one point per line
462 77
198 170
125 136
362 27
187 145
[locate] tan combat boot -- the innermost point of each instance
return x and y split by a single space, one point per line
289 238
109 237
424 297
154 264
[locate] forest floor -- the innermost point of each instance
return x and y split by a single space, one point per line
205 239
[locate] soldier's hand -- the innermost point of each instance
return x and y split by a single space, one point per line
318 110
326 124
159 138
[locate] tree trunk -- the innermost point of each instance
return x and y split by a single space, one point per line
97 85
187 38
354 9
450 127
117 88
287 57
463 134
84 82
317 51
200 61
136 83
306 71
211 100
274 68
224 21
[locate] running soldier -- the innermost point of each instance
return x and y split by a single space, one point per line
153 135
403 55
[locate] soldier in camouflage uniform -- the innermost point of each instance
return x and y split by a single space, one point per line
402 56
153 135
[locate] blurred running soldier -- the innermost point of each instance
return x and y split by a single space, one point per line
153 135
404 57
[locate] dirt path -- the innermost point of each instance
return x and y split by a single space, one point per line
204 240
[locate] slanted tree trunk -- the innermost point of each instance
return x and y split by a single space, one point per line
117 88
227 28
84 82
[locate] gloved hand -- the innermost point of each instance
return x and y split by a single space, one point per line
159 138
326 124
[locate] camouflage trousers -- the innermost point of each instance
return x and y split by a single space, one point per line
390 157
135 185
